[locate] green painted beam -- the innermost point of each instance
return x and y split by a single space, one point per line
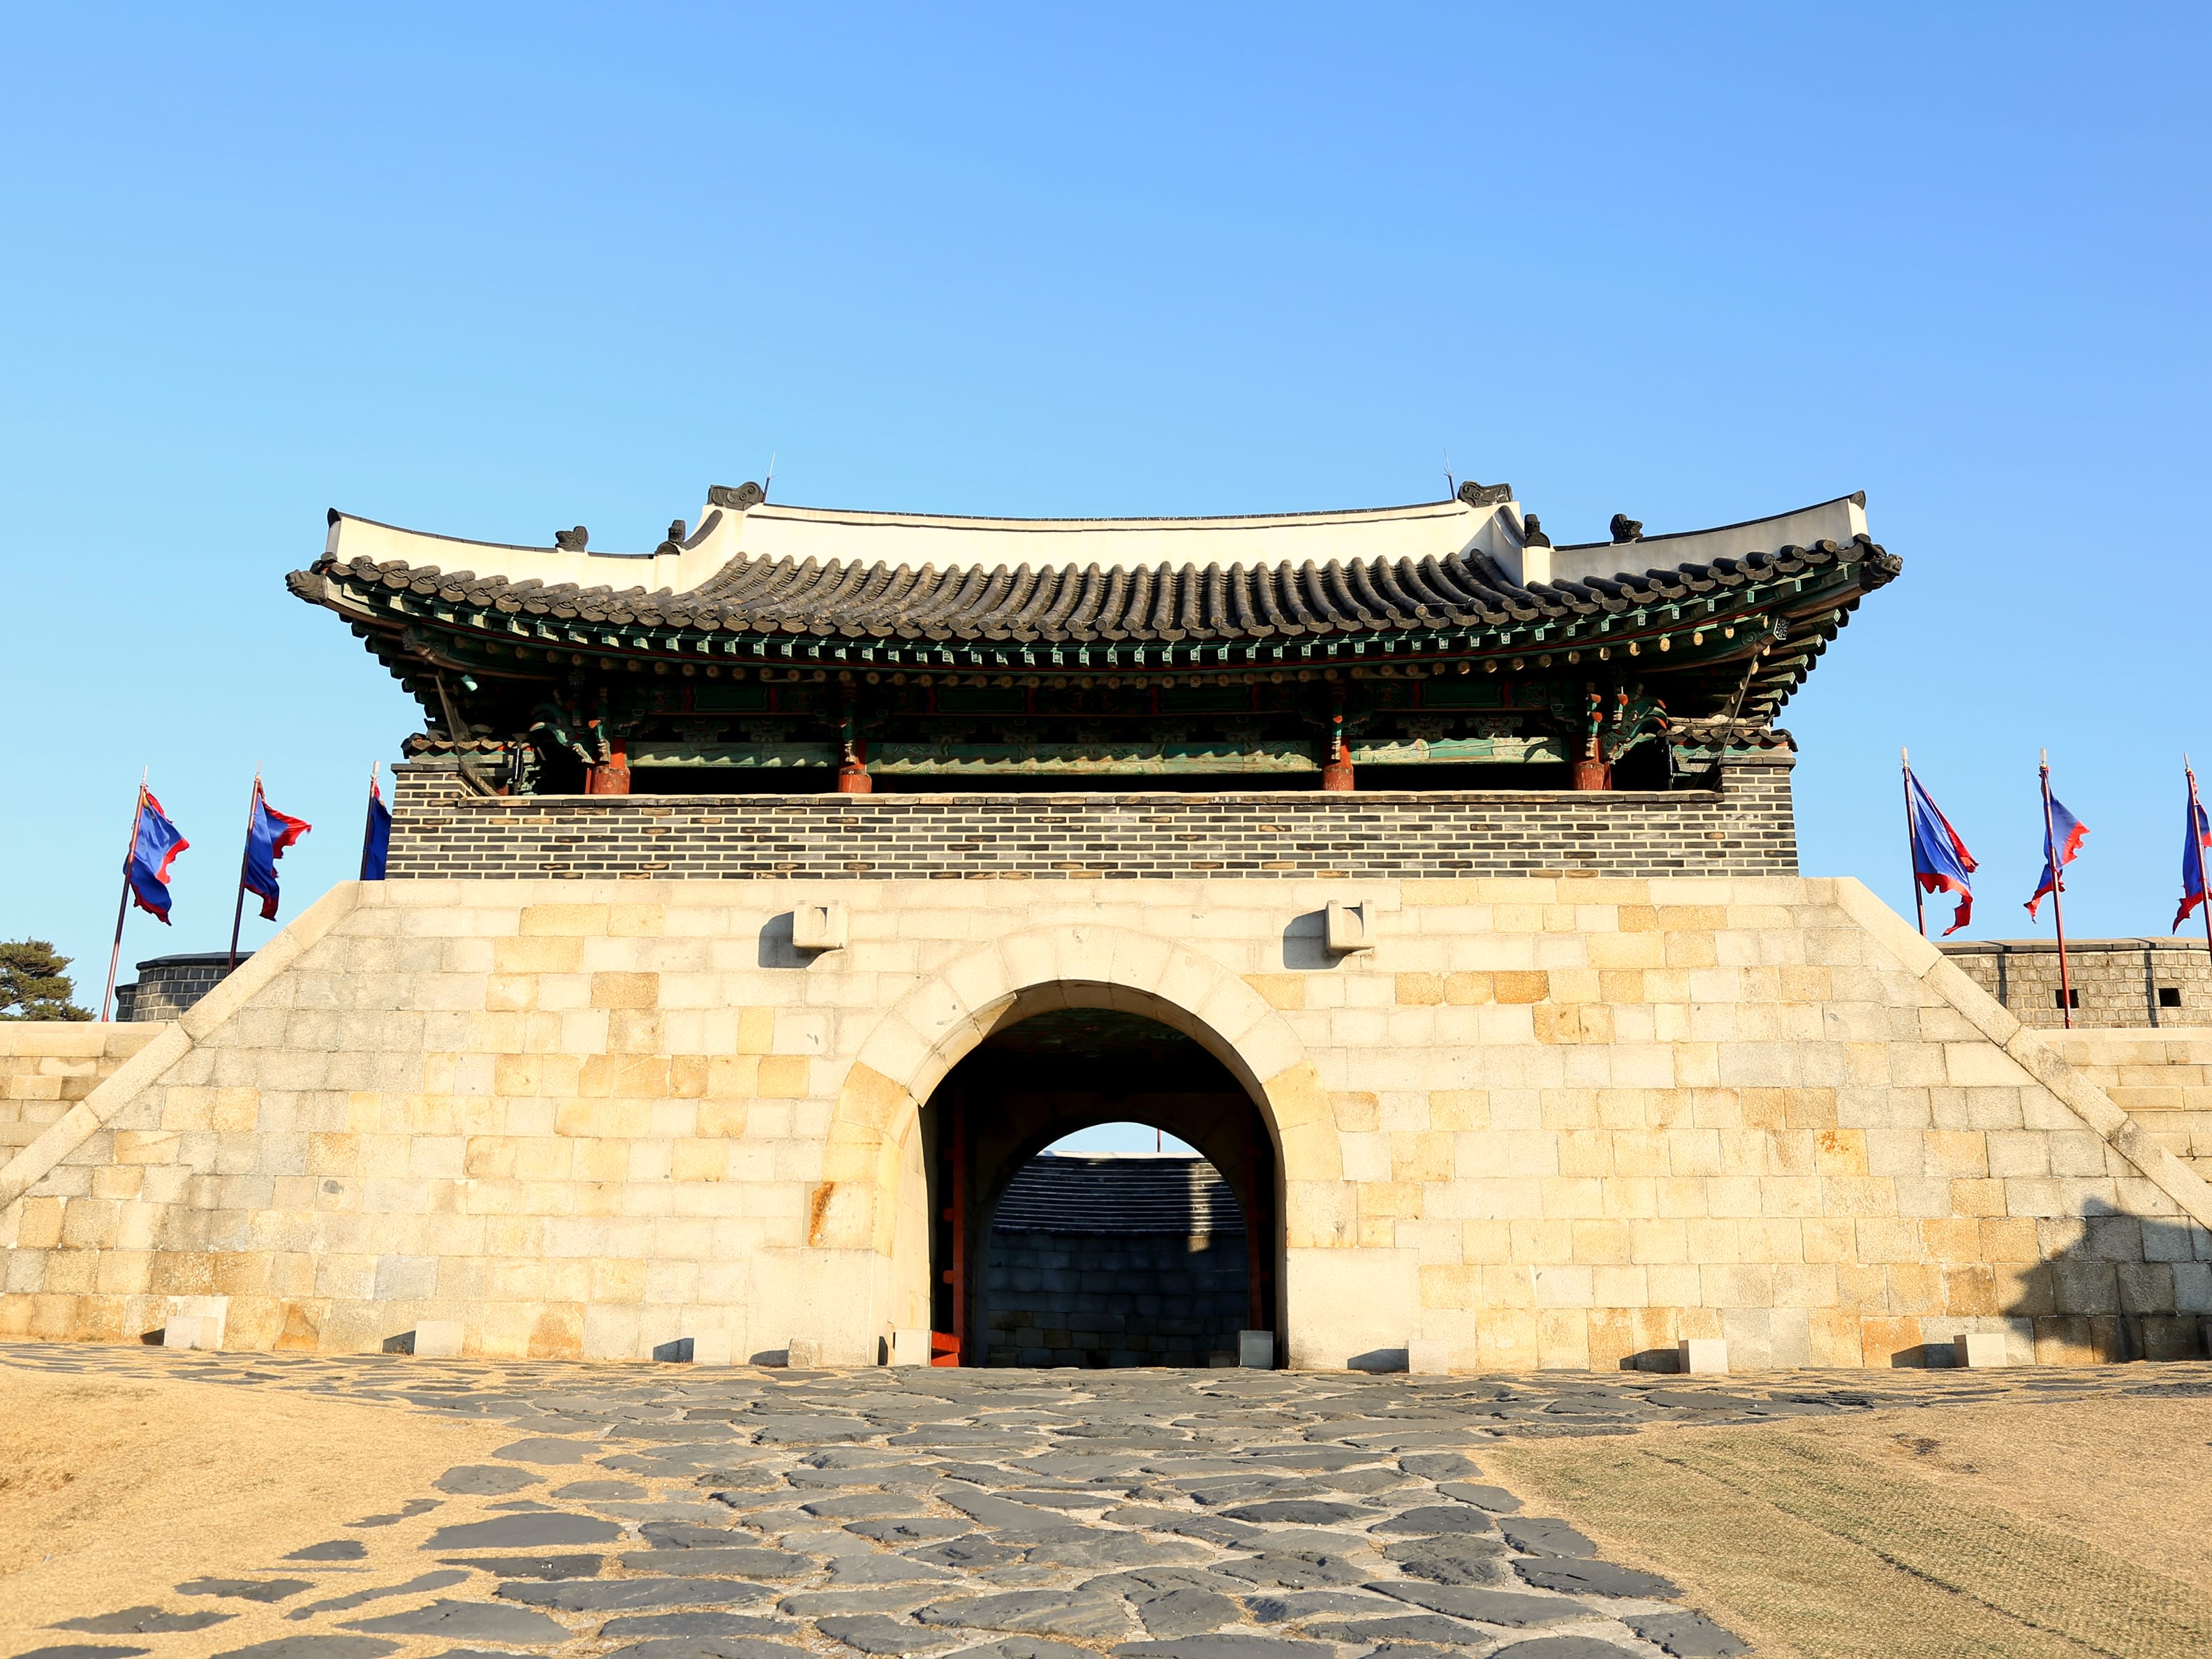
1088 759
745 756
1436 751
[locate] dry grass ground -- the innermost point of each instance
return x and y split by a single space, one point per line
113 1490
2017 1529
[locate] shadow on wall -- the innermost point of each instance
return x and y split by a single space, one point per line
2130 1287
1305 946
776 949
2127 1288
1104 1260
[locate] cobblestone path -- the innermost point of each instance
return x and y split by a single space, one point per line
674 1513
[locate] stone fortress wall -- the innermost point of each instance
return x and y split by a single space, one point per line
2162 1079
1538 1122
47 1066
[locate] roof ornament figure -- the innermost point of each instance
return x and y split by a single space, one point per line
675 542
1625 529
572 541
1532 532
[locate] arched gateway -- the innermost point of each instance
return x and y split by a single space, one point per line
927 1130
1137 1270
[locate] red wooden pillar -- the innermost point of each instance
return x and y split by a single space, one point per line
852 777
611 775
1593 770
1259 1234
1336 771
945 1346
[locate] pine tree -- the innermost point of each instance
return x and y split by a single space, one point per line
32 983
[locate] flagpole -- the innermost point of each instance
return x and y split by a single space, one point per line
2058 885
368 820
123 904
244 857
1913 845
2204 906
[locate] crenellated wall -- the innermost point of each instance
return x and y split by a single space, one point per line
2137 983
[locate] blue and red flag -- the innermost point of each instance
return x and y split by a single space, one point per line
2195 840
153 847
1941 862
376 835
2061 841
268 833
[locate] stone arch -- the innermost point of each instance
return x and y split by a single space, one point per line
1079 965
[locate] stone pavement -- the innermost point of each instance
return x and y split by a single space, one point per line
677 1513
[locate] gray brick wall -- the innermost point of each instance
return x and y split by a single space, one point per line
1744 827
2115 981
1101 1299
170 986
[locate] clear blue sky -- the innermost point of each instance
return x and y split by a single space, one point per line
496 271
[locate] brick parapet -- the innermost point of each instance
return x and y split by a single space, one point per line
2121 983
168 987
1745 827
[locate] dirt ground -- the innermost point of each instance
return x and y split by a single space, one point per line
113 1490
2132 1476
2017 1529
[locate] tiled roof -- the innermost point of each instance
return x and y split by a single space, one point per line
433 743
1166 604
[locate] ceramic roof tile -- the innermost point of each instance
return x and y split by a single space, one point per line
1085 603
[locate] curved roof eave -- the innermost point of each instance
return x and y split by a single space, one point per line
1814 586
1857 498
1840 519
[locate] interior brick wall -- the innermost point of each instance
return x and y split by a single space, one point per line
167 988
1093 1300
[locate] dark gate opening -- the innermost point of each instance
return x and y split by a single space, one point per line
1103 1260
1178 1253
